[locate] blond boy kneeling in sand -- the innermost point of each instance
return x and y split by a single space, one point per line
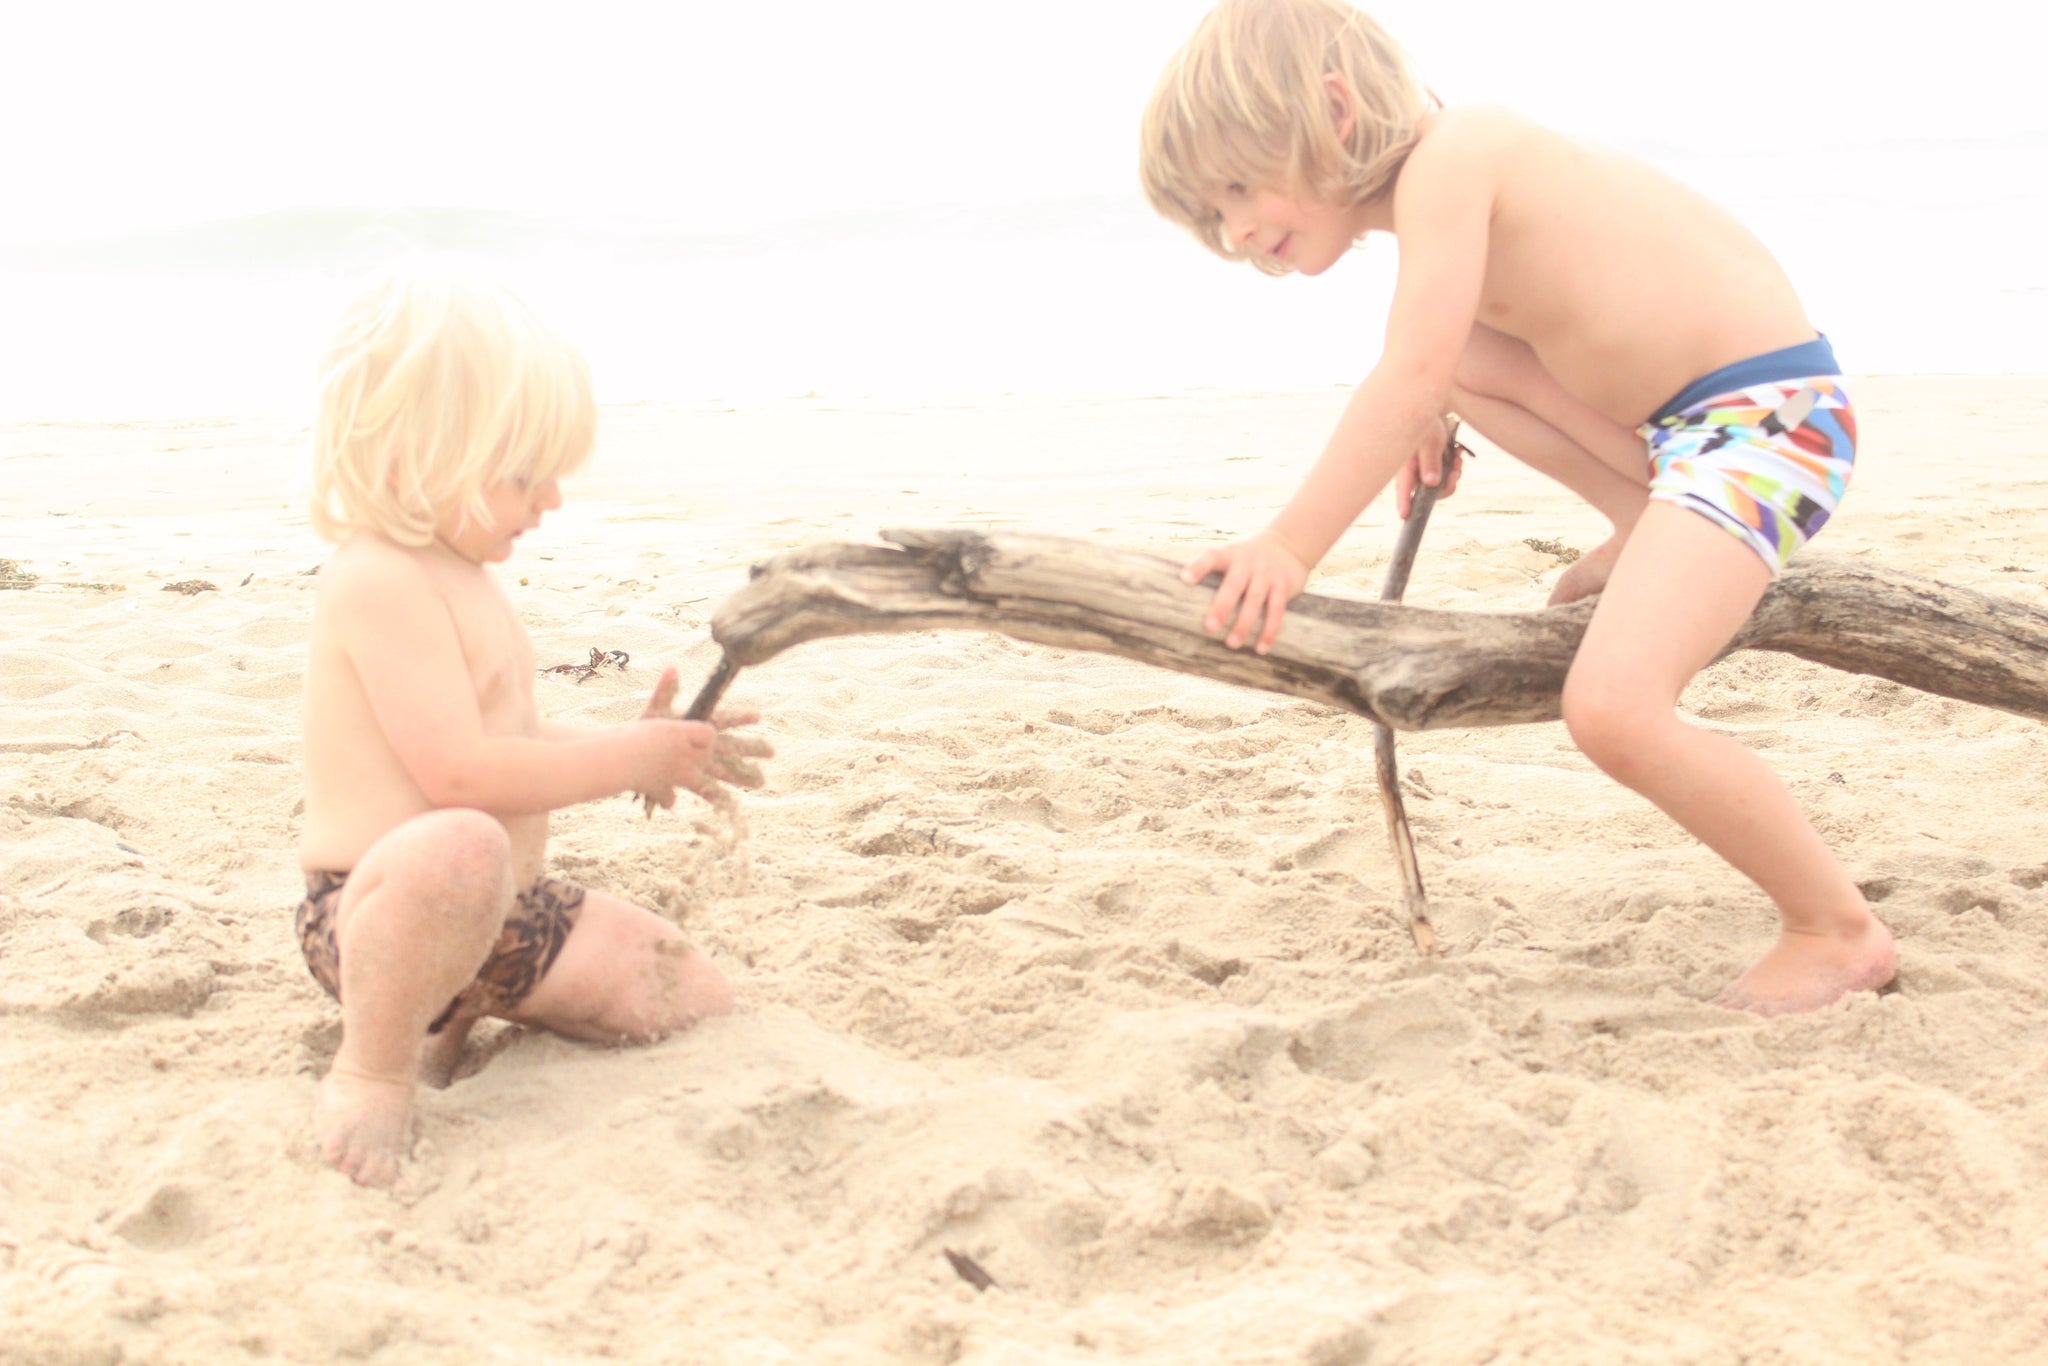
1598 321
448 413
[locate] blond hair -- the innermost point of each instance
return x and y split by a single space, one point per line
438 386
1246 103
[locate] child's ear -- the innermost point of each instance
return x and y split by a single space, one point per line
1343 104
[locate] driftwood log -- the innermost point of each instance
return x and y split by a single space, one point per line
1410 668
1406 668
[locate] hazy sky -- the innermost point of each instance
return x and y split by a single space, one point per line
722 116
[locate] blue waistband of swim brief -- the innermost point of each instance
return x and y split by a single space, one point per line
1803 361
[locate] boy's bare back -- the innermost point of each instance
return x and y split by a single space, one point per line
1627 284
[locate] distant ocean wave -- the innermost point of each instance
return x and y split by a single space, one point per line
1911 259
1083 296
359 239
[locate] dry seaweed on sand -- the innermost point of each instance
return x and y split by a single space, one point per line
1552 546
599 660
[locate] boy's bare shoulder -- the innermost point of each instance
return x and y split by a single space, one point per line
367 569
1460 152
1464 134
1467 154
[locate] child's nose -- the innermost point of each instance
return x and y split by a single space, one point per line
1238 227
547 494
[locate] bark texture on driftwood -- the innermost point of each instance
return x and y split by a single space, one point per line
1411 668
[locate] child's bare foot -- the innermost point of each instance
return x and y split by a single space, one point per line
1587 575
1807 971
360 1120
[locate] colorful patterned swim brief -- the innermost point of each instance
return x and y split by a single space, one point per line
1769 462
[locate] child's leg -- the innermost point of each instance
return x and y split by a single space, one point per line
625 975
1504 391
1680 589
419 913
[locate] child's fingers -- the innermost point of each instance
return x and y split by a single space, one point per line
1429 463
739 772
1276 608
1448 481
732 758
663 703
1235 580
1204 564
744 746
1251 599
726 718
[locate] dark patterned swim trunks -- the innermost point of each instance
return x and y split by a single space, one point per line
535 929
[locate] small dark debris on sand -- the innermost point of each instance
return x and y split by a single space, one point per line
599 659
1565 554
969 1270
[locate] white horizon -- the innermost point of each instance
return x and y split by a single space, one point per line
741 116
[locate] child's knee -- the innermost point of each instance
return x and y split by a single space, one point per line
446 869
466 865
459 846
684 987
627 976
1613 724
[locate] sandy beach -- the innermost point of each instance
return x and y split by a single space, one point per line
1091 973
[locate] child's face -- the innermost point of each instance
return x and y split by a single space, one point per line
512 508
1300 232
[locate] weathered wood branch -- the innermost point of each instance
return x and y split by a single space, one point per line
1386 765
1411 668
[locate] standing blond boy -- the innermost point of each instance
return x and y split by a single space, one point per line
1595 319
448 414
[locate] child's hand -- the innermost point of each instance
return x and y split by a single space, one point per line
733 756
669 754
1426 466
708 756
1260 577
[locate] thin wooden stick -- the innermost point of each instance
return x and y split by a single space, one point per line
1385 765
713 690
701 709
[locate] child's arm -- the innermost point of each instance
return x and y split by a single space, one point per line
1442 204
398 633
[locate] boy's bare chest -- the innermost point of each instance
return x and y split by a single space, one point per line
495 649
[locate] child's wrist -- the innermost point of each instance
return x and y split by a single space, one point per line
641 749
1292 546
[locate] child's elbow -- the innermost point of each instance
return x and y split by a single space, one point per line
449 782
443 795
1424 380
